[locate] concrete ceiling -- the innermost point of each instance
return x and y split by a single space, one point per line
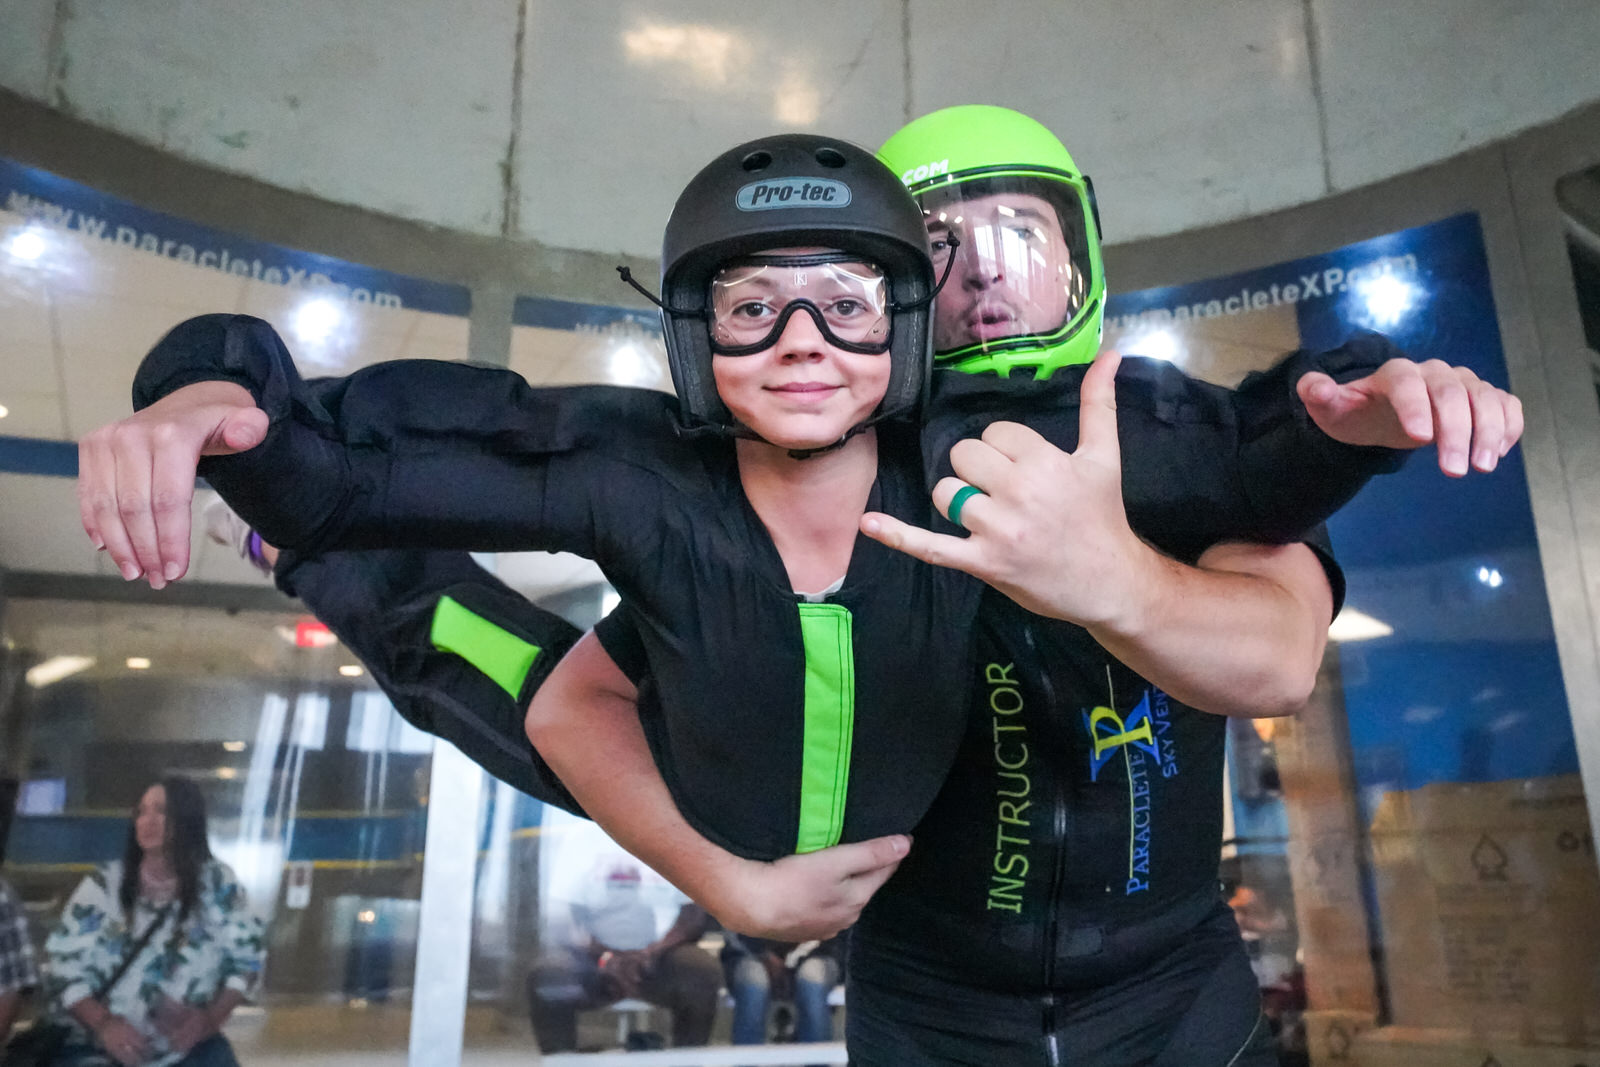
576 123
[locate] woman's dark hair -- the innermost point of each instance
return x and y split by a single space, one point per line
187 847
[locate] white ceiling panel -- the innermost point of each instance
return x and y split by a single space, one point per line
623 102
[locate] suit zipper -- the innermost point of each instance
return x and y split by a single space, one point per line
1058 816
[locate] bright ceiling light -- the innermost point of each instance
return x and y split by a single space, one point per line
1353 625
1387 298
351 670
796 101
138 663
629 365
4 411
233 746
56 668
317 319
705 51
28 245
1160 344
1491 577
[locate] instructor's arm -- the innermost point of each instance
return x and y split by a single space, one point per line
1241 633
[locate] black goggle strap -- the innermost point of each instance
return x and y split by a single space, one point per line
949 265
691 313
807 260
810 259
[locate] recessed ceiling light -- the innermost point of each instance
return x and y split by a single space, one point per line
233 746
56 668
1353 625
138 663
351 670
27 245
4 411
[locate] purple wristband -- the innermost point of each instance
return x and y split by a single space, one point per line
252 548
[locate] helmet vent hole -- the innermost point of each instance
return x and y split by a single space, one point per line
830 157
758 161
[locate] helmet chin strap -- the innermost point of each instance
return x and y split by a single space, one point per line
740 431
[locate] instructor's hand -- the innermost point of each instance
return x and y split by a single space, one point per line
136 476
808 897
1049 530
1406 405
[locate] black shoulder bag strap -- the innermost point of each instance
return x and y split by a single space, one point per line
132 954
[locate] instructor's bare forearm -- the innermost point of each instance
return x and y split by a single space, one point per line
1242 633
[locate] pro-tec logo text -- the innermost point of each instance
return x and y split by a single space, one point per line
774 193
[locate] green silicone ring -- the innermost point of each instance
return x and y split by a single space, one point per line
957 502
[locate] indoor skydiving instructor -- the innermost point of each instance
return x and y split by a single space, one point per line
1061 899
1213 872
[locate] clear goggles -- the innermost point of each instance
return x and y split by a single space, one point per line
751 302
1016 249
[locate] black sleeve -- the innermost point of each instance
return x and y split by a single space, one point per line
619 636
1294 475
1317 541
415 453
451 682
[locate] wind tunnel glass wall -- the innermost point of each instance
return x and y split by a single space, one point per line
1413 850
317 790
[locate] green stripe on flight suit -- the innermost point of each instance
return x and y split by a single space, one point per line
826 632
504 657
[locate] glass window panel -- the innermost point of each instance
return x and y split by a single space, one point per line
249 718
325 835
1411 853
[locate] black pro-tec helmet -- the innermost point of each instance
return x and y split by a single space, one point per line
790 191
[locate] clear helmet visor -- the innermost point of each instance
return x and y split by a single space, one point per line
752 301
1022 266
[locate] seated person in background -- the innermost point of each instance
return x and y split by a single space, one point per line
612 953
19 971
180 917
759 971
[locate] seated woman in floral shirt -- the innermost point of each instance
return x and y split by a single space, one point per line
202 957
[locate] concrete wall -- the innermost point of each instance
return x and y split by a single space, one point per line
574 124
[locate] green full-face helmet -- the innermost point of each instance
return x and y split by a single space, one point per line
1026 288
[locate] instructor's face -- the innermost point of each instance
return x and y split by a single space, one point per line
1013 272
